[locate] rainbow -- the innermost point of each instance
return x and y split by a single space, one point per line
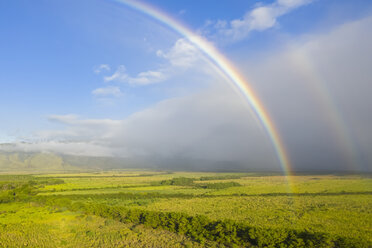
317 84
227 69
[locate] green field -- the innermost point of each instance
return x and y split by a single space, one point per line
185 209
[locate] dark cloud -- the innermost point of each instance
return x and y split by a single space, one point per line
319 94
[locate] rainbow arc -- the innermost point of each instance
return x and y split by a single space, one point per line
228 70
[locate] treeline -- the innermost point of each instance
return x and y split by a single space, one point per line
200 228
21 192
184 181
22 189
43 182
112 176
14 178
224 177
218 185
125 196
96 188
179 181
14 181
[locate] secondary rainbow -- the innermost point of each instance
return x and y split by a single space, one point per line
228 70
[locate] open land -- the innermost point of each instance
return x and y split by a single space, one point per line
185 209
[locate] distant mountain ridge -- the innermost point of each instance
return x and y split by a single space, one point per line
17 161
27 161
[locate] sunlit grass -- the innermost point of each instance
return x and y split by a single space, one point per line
336 205
343 215
27 225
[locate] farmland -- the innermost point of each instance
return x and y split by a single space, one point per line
185 209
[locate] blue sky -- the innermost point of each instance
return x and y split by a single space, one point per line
57 57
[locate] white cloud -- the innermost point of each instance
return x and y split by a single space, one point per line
183 54
148 77
102 67
65 119
119 75
180 57
80 130
260 18
107 91
204 126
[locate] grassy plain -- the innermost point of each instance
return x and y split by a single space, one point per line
335 205
31 225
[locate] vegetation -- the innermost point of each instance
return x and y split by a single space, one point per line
184 209
220 177
180 181
25 225
219 185
184 181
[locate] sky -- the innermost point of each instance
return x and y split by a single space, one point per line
100 78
